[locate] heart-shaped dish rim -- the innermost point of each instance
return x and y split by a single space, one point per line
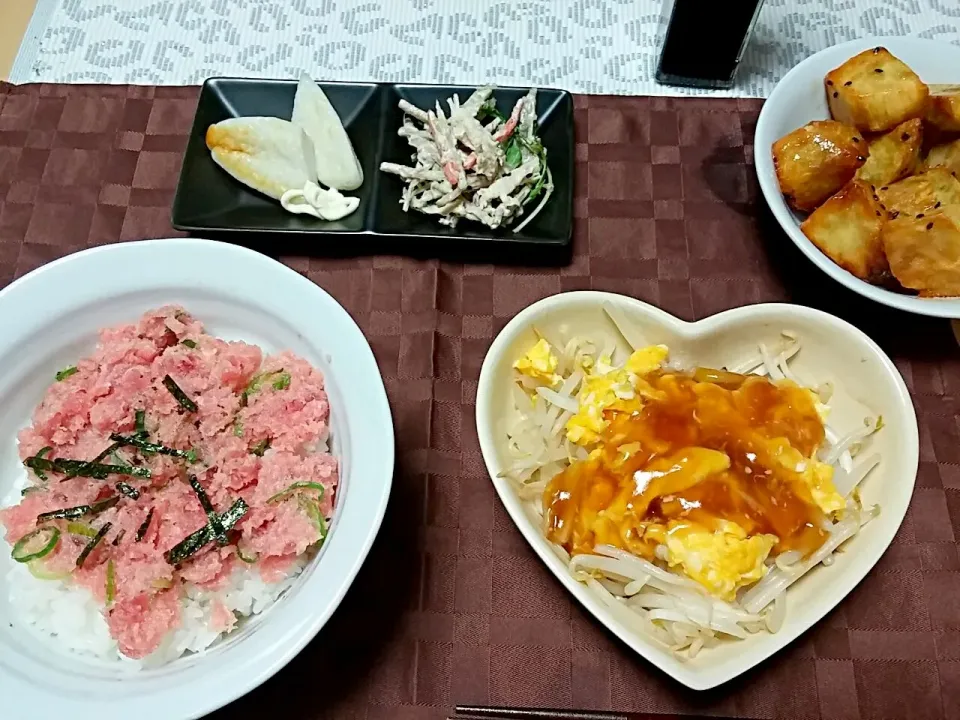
702 673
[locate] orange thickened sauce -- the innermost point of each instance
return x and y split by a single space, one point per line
700 448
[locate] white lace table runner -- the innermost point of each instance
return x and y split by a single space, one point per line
589 46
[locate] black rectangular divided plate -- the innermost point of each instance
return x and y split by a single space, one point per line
209 200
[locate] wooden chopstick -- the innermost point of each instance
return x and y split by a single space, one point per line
477 712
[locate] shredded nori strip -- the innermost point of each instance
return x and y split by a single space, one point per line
144 526
179 395
40 453
149 447
140 423
119 537
83 468
215 525
129 490
195 541
72 513
85 553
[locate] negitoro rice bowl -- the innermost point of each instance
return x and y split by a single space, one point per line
258 316
175 483
707 490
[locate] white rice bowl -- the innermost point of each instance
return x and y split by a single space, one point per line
56 655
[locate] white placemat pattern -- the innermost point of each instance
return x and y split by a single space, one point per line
590 46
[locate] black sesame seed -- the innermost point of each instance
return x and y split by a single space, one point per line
848 83
877 50
878 213
885 187
905 137
829 82
919 215
896 213
855 139
878 70
929 226
836 94
936 205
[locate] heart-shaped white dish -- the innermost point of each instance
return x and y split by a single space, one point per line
865 381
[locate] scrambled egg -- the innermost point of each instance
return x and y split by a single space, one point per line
540 364
722 561
817 477
605 386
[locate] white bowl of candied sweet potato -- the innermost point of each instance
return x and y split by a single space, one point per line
858 155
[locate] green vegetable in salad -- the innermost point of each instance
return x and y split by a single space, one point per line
111 582
189 343
261 447
79 528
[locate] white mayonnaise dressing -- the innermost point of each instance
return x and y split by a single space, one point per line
318 202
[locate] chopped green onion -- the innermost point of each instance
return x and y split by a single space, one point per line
144 526
179 395
117 540
129 490
79 528
238 428
111 582
79 511
249 559
299 485
140 422
91 546
312 509
215 525
189 343
196 540
36 544
261 447
66 372
190 455
257 381
149 447
40 453
39 570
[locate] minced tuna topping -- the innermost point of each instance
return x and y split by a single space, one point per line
169 459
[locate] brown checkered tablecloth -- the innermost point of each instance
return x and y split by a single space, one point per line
452 606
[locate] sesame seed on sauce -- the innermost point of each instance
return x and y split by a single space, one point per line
936 205
885 187
836 94
878 70
919 215
829 82
878 213
905 137
895 214
848 83
877 50
855 139
929 226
